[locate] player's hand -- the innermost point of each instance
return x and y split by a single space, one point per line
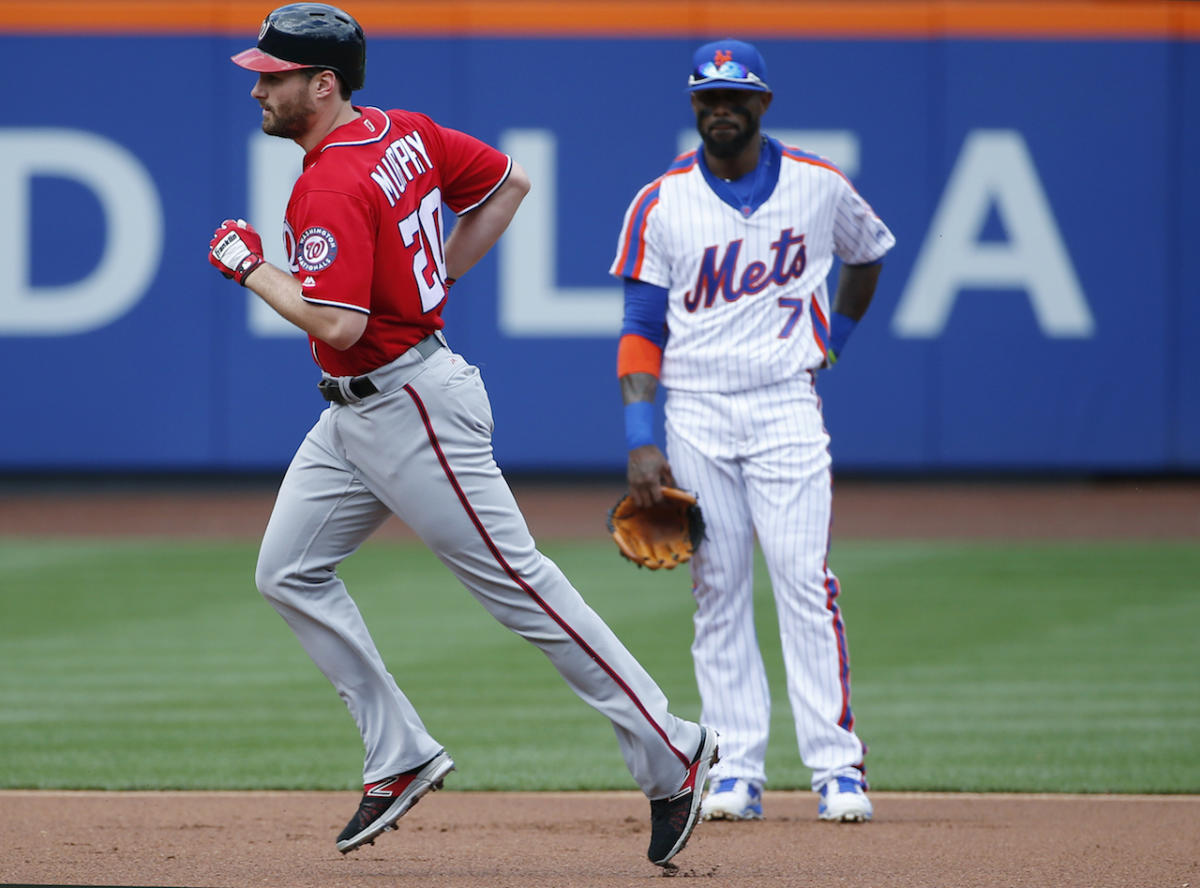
648 472
236 249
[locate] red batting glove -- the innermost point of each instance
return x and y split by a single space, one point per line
236 249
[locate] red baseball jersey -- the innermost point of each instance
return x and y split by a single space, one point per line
364 226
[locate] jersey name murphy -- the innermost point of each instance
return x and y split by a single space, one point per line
715 276
400 164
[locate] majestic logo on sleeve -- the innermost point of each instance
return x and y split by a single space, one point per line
316 249
721 275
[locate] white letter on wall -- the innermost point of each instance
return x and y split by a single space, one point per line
531 302
133 228
994 168
273 168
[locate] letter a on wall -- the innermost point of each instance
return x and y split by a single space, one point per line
994 170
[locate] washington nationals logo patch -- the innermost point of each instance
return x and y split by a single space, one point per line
317 249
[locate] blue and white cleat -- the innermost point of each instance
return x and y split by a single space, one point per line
732 799
844 800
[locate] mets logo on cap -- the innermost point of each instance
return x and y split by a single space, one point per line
728 64
317 249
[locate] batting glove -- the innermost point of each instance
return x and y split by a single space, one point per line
236 249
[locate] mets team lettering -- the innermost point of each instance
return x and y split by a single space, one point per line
755 278
681 234
400 164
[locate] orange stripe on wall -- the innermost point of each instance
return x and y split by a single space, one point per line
757 19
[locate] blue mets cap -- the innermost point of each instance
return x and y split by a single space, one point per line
728 64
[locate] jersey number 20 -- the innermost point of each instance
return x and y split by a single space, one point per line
422 229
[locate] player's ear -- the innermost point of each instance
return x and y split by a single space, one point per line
327 84
765 98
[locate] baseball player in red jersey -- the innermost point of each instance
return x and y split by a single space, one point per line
408 429
725 259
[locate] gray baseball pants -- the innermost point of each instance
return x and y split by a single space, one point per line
421 448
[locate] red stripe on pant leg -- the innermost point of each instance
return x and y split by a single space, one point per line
846 718
832 589
596 658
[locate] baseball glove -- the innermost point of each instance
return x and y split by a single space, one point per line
657 536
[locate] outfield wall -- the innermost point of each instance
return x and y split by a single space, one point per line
1037 162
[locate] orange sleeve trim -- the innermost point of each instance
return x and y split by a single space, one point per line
637 354
870 19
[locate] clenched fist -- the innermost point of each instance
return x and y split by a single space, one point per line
236 249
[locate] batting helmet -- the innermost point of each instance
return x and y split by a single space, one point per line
309 35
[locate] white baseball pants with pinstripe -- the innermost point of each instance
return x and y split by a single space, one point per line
422 449
759 463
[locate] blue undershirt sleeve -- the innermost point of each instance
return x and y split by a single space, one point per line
645 311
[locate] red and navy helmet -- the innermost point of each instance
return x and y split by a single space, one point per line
309 35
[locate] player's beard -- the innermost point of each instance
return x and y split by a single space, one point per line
728 146
290 119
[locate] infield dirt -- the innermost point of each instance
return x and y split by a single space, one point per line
596 840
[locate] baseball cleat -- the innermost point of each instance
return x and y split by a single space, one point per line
844 800
732 799
672 819
386 801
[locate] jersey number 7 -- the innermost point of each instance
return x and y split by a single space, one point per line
797 307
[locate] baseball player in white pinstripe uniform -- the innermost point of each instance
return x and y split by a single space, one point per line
724 259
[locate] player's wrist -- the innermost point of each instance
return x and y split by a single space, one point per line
247 266
840 328
639 424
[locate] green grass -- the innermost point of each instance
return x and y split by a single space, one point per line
1015 667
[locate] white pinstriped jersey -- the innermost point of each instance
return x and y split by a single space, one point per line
748 304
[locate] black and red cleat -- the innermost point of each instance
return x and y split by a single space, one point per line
386 801
672 819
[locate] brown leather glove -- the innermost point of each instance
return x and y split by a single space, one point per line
658 536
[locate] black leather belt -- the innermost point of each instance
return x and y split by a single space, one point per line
361 386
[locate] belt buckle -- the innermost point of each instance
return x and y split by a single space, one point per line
330 391
362 387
